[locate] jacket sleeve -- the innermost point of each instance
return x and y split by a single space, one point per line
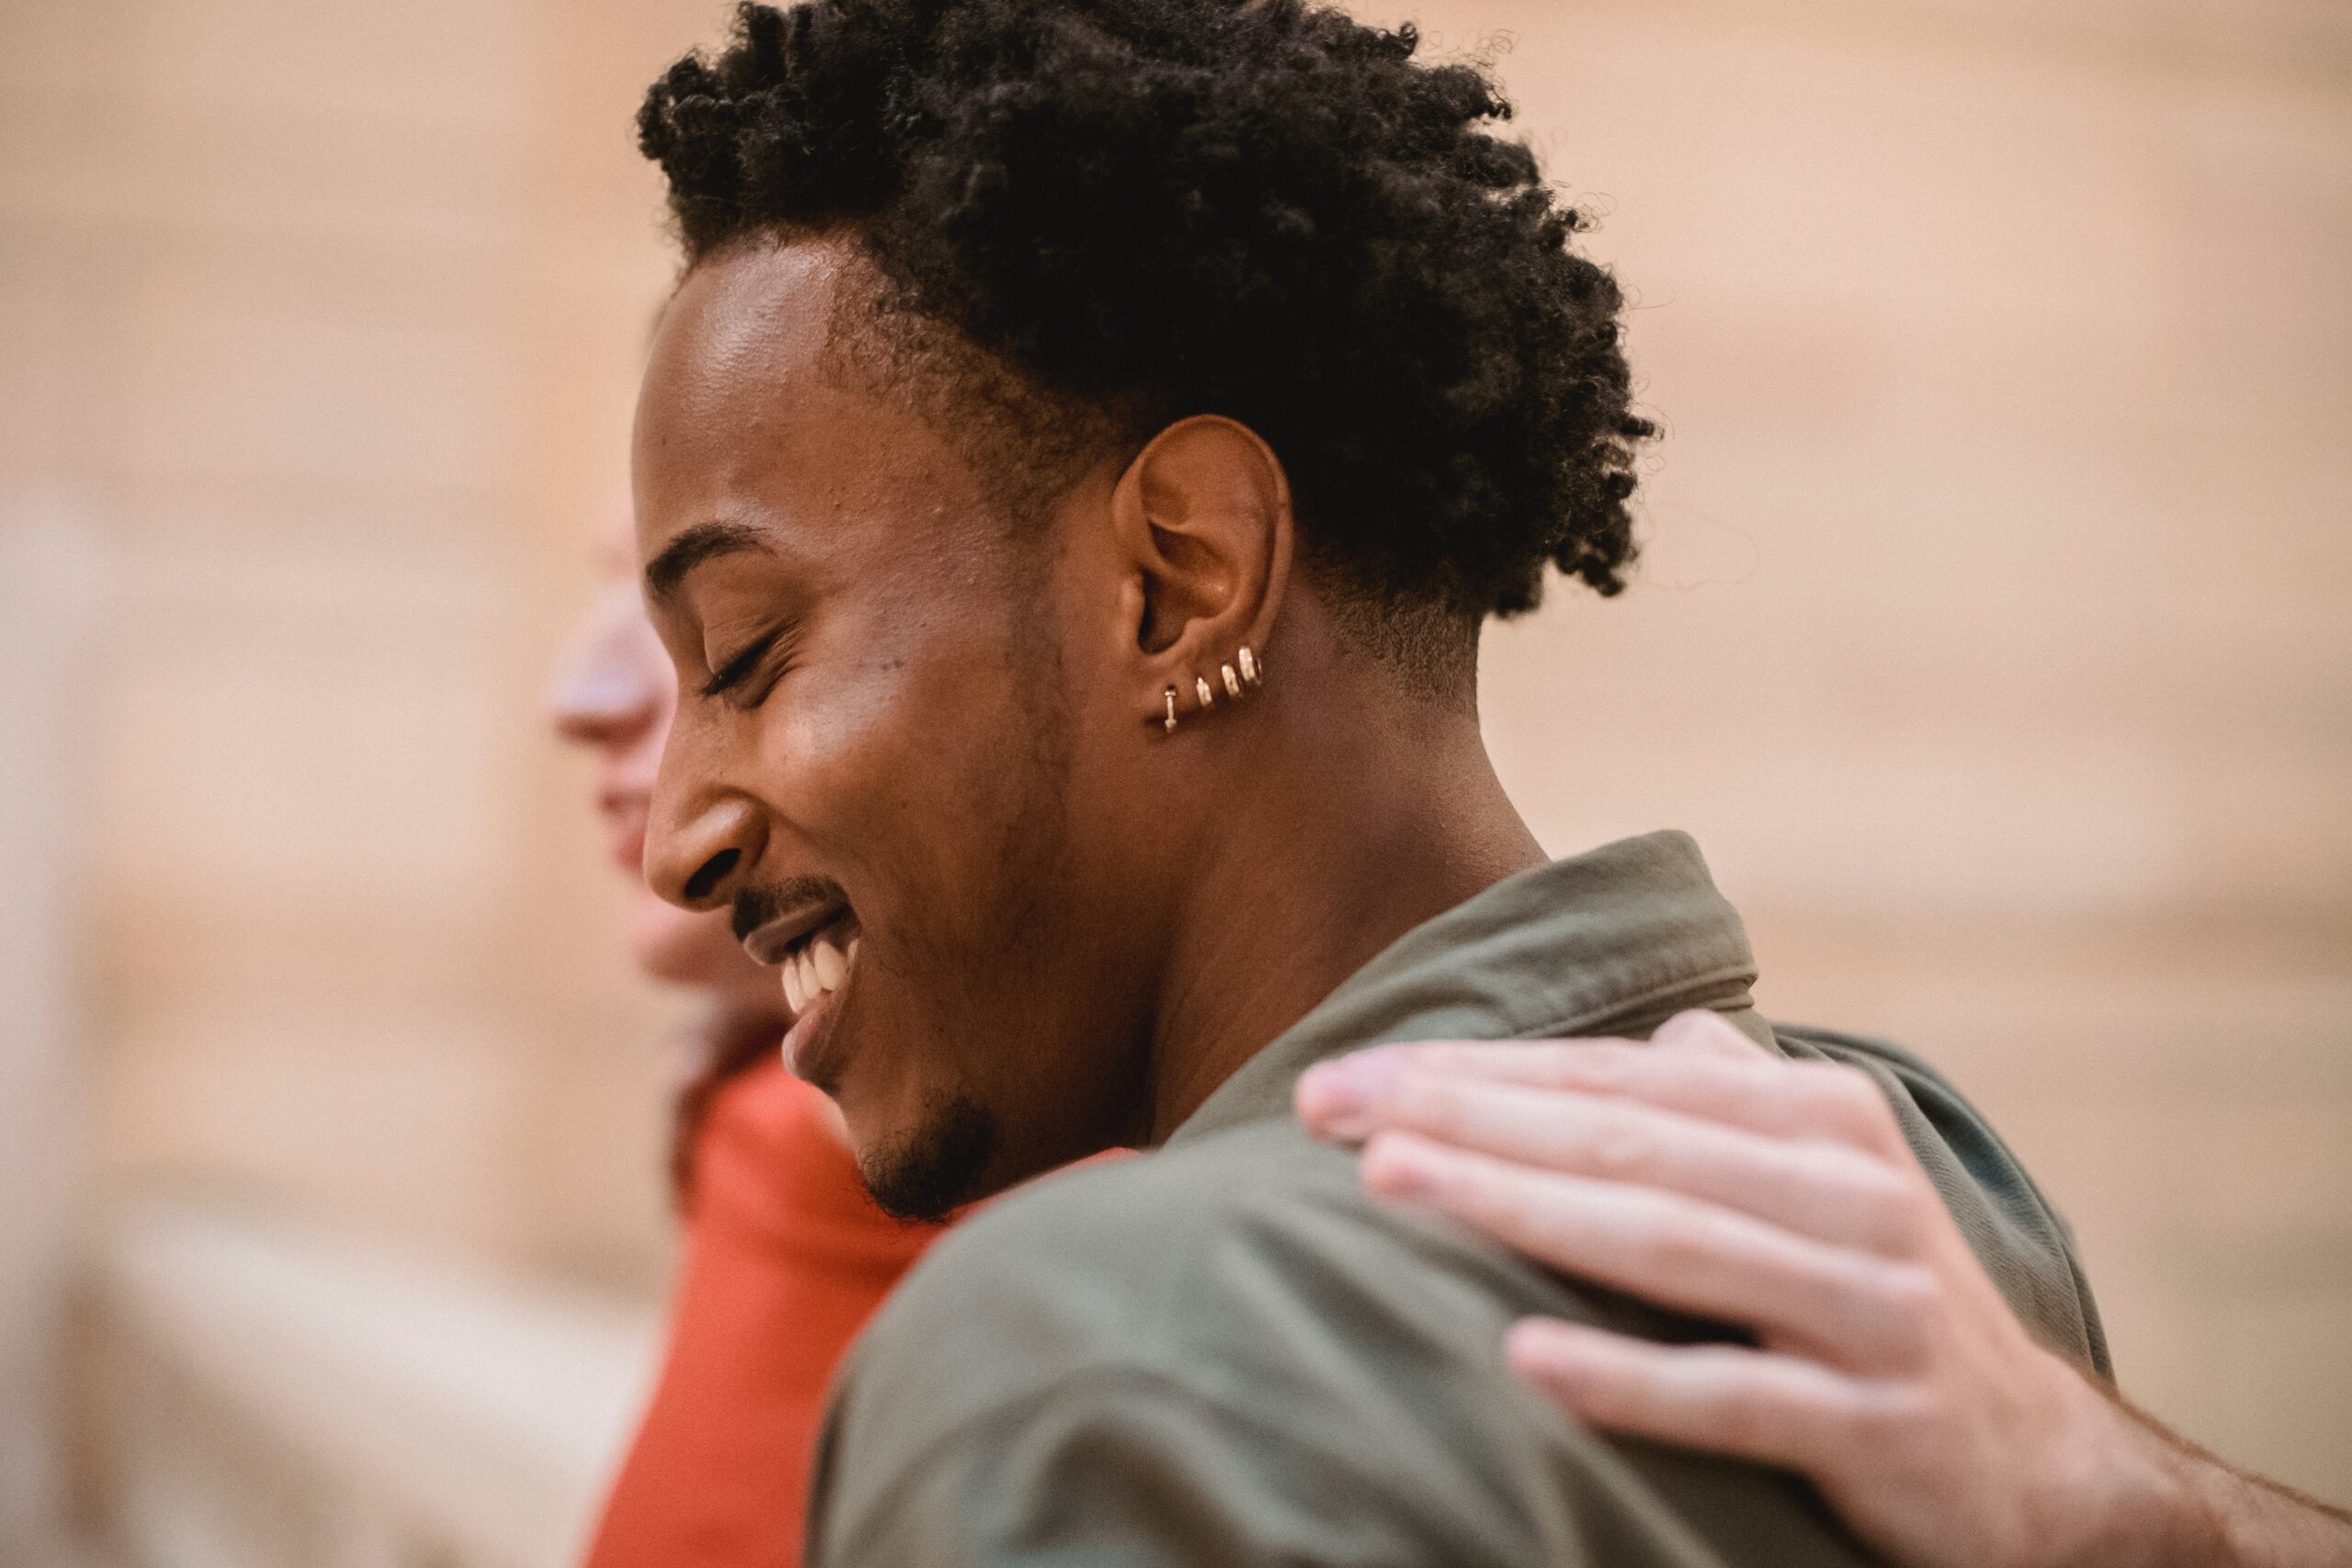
1127 1470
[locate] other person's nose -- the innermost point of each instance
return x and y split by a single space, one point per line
606 692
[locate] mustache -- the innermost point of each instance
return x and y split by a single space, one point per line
755 906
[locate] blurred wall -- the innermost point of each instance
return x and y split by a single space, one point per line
323 320
1990 636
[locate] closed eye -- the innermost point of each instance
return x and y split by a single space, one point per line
737 670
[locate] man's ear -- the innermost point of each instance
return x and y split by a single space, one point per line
1203 519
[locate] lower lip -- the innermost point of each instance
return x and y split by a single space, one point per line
810 1030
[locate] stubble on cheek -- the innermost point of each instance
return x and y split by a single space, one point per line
980 947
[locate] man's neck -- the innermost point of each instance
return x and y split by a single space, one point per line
1354 833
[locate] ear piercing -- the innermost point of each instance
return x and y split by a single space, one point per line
1252 673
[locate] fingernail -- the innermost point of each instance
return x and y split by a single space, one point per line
1336 1096
1371 1071
1327 1102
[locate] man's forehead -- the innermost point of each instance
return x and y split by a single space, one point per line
747 321
737 354
756 412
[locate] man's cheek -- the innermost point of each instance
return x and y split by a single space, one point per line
919 731
866 781
828 746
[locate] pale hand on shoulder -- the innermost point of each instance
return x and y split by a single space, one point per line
1708 1177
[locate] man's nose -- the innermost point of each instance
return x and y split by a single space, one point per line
699 859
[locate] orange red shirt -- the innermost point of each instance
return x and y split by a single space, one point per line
785 1257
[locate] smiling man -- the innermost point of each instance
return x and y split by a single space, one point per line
1072 474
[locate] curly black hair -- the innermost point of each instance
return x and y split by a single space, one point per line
1261 209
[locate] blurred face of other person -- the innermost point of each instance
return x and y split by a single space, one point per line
613 695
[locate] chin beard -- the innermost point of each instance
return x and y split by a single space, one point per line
935 1169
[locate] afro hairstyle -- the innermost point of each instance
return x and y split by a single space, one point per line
1261 209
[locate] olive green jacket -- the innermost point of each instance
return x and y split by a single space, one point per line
1224 1353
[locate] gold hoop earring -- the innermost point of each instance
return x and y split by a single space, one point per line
1237 681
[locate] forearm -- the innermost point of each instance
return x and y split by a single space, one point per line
2214 1516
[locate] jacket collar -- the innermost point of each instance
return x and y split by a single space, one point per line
1614 940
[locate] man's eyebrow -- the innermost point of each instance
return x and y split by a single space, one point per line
693 547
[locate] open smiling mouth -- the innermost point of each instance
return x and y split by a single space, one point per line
815 965
818 964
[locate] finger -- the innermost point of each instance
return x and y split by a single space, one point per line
1761 1093
1698 1031
1757 1405
1831 1191
1854 1309
1704 1029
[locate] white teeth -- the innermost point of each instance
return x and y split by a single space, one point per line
853 948
815 970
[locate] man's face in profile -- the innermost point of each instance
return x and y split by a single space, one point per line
885 762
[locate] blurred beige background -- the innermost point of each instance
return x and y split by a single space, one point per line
1992 638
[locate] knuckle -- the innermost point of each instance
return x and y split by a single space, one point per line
1744 1420
1893 1209
1899 1406
1682 1246
1669 1247
1436 1102
1621 1148
1602 1068
1846 1101
1911 1290
1881 1188
1915 1304
1858 1095
1510 1206
1884 1412
1812 1087
1873 1116
1920 1212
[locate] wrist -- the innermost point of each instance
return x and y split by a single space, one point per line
2160 1511
2181 1524
2119 1495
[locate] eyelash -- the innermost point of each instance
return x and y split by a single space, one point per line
740 669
